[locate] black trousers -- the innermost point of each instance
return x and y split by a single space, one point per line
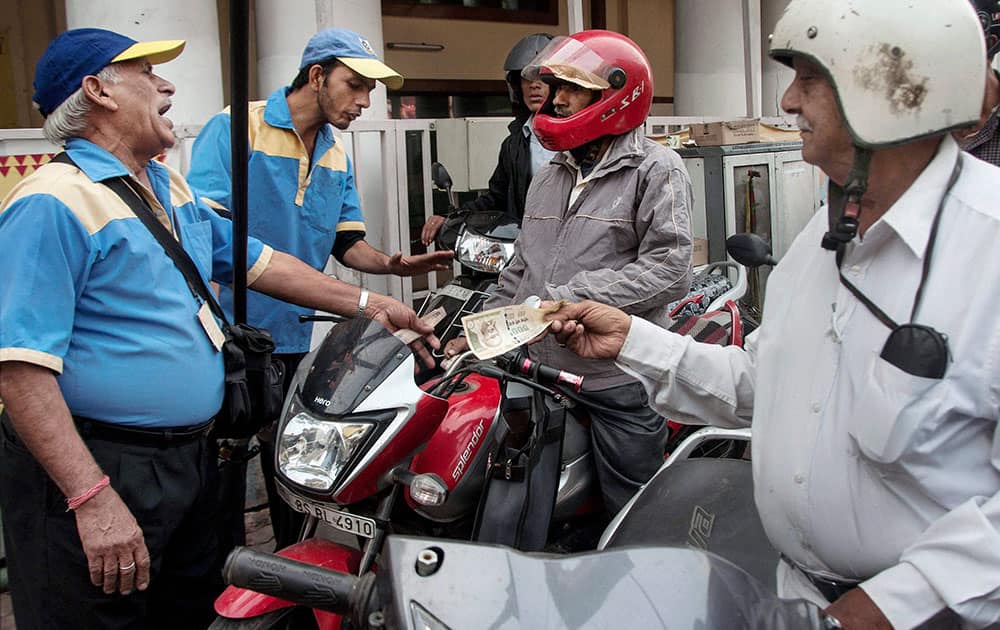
628 438
285 522
172 493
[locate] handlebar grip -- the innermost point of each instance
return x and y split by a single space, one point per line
293 581
550 374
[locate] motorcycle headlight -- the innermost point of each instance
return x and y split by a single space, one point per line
483 253
312 452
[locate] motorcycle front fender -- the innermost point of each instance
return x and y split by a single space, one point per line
240 603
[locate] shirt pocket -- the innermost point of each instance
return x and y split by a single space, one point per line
878 425
197 240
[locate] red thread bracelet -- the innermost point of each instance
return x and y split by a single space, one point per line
80 499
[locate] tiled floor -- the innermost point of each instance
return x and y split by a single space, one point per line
259 534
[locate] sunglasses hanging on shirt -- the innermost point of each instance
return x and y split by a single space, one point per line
914 348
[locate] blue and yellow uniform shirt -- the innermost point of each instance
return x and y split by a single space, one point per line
89 293
294 207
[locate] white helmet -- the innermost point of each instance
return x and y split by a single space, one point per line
901 69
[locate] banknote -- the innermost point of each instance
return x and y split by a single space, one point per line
408 336
493 332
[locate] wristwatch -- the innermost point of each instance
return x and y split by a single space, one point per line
362 302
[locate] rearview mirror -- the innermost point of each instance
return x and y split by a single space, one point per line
440 176
750 250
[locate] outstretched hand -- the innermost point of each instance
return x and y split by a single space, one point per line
420 264
395 315
590 329
431 228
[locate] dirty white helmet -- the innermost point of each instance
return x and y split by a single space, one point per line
902 69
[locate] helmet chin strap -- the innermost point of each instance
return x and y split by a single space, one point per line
848 199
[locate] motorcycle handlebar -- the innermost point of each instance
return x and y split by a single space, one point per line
297 582
546 374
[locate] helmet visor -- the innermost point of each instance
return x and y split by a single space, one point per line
572 61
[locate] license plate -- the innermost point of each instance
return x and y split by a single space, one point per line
344 521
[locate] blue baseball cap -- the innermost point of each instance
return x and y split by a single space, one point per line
81 52
352 50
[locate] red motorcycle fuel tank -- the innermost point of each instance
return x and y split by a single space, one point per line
457 451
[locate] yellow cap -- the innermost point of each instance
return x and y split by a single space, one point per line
156 52
374 69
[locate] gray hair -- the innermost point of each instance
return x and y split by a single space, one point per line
69 120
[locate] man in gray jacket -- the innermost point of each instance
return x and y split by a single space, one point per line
608 220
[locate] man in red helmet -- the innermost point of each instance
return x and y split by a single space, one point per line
608 220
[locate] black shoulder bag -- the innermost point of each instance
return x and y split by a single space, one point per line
253 386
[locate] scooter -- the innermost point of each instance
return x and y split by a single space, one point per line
483 243
433 584
687 552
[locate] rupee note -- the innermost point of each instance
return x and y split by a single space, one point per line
408 336
493 332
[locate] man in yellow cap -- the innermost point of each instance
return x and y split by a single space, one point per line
110 367
302 197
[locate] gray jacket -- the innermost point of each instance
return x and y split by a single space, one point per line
626 241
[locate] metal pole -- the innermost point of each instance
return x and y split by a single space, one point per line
239 61
748 59
575 10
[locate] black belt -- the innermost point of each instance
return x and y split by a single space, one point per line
142 436
831 589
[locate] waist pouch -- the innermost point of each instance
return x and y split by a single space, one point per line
253 388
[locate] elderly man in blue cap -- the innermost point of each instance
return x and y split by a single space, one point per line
110 367
303 197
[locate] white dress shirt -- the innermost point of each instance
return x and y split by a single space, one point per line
860 469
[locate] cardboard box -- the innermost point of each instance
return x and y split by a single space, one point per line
699 252
741 131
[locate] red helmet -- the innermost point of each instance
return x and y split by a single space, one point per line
604 61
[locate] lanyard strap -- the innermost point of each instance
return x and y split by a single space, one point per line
925 271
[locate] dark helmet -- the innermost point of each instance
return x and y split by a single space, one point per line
518 57
989 17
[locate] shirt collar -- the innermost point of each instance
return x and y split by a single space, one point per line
277 114
99 164
526 128
912 214
96 162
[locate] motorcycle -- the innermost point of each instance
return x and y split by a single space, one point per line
483 242
724 321
358 434
692 536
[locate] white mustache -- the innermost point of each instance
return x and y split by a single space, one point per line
802 123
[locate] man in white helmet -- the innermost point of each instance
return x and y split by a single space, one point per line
873 388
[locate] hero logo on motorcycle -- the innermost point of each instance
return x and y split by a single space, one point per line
477 434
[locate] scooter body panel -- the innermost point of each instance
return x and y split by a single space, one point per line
239 603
